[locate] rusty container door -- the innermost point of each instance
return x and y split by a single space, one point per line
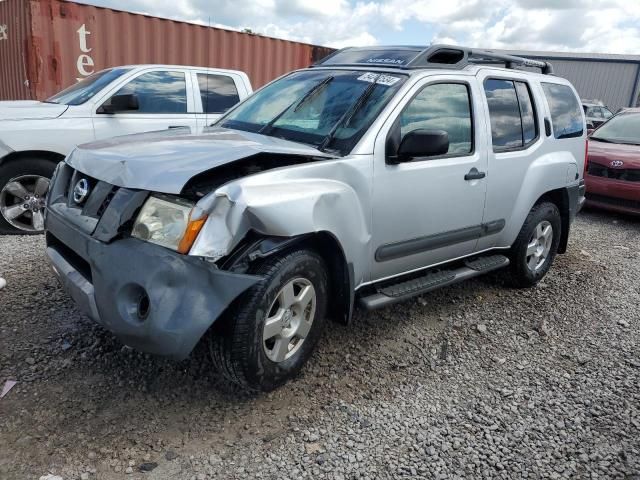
14 38
69 41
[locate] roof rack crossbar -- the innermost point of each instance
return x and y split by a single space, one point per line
434 56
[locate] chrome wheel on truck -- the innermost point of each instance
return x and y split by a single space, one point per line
22 202
24 183
539 245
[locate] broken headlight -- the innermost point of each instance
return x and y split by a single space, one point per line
167 221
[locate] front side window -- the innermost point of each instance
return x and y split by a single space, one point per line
442 106
158 92
86 89
328 109
218 92
566 115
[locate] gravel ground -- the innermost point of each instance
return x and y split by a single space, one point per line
474 381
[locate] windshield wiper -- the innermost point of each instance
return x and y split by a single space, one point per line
600 139
348 115
298 104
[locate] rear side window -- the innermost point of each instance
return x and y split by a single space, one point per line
512 114
566 115
218 92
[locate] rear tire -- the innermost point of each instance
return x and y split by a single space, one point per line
534 250
261 349
24 177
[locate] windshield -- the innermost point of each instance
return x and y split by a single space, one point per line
624 128
86 89
330 109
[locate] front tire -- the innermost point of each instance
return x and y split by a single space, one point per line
275 325
536 247
24 184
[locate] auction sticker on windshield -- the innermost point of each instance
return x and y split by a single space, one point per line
386 80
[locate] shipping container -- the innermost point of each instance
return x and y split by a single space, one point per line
47 45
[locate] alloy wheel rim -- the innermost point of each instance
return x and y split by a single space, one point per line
22 202
539 246
289 320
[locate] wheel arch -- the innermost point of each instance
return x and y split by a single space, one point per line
53 157
341 275
560 198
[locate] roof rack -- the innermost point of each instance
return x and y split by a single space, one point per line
434 56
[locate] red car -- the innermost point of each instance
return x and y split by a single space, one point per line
613 169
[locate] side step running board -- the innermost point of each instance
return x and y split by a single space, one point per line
403 290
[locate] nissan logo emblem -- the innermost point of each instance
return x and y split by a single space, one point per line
81 191
617 163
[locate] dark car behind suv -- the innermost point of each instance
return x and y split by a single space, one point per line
613 172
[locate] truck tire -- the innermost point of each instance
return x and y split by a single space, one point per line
536 247
23 187
274 326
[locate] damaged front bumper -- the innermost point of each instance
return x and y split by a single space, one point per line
151 298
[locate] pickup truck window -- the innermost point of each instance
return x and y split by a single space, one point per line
442 106
159 92
329 109
218 92
86 89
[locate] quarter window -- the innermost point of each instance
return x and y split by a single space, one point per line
442 106
512 114
566 116
218 93
159 92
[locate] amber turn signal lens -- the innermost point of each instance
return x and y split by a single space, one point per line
190 234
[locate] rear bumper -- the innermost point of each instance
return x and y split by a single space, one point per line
113 283
614 195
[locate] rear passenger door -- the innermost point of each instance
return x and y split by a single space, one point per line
429 210
215 93
165 99
513 134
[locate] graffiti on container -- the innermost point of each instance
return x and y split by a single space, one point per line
4 34
85 62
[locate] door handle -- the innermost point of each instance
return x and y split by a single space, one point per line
474 174
172 127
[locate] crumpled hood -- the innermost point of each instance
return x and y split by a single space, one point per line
30 110
165 161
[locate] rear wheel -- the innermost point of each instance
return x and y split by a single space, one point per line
275 326
24 184
536 247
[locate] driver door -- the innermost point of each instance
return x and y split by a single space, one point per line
427 210
165 102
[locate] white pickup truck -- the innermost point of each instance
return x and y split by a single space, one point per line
36 136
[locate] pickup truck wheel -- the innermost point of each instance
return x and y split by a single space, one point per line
276 324
534 250
24 184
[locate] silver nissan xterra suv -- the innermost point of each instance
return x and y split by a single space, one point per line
379 174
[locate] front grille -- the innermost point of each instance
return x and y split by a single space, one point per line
624 174
99 198
614 201
75 260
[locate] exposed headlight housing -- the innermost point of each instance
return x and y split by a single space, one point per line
167 221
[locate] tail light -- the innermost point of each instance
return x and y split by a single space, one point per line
586 156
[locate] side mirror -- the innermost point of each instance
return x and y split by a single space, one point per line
423 143
590 128
120 103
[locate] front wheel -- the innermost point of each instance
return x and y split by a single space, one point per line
274 326
24 184
536 247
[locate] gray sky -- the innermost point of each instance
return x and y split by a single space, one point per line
608 26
